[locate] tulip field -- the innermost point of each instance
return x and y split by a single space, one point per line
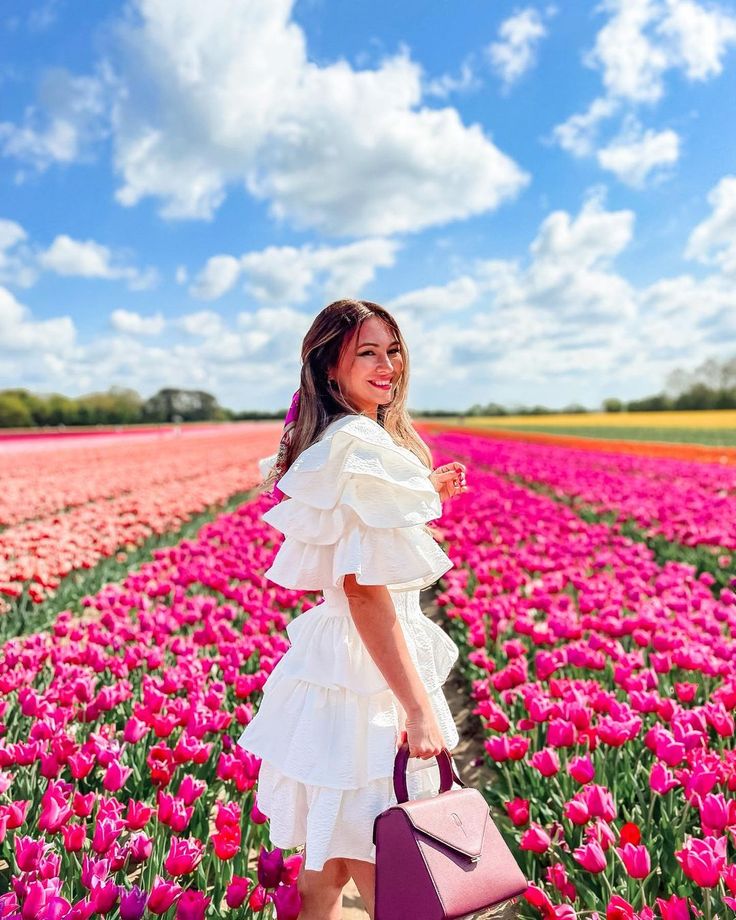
593 597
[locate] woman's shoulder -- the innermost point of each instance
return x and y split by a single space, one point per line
363 430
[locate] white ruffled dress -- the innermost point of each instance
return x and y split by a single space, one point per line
328 725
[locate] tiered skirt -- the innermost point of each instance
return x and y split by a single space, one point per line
328 727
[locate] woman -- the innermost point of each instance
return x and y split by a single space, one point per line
365 667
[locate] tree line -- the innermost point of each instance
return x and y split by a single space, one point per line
712 385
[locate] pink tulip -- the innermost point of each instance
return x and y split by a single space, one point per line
661 780
591 857
28 853
536 839
619 909
546 761
237 891
116 777
581 769
576 810
192 905
163 895
636 859
702 861
288 902
674 908
185 854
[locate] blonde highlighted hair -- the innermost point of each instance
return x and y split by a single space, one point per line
321 403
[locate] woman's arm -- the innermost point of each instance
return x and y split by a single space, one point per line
375 619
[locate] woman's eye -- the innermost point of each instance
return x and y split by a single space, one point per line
394 351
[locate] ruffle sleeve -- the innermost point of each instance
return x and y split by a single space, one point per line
265 464
357 505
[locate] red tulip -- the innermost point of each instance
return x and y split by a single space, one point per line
518 810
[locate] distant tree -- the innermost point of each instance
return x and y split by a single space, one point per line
171 404
612 404
14 411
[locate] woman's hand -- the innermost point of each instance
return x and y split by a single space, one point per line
449 480
423 735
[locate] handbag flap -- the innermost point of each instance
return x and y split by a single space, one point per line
456 818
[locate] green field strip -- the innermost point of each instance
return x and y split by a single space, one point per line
708 437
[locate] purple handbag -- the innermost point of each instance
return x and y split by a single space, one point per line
440 858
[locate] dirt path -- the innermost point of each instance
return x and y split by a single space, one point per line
465 757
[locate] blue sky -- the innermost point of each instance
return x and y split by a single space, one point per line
544 195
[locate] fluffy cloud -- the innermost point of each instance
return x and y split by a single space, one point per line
289 274
713 241
133 323
19 332
565 315
637 155
643 39
69 117
513 54
578 134
562 320
88 259
199 103
640 42
16 260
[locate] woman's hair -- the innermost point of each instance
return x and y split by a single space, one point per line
321 403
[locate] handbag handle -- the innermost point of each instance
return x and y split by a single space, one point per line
444 761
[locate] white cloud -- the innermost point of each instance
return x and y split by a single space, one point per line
559 324
16 261
636 155
204 323
446 84
640 42
88 259
514 52
698 37
216 278
290 274
69 117
19 332
564 322
713 241
135 324
457 295
232 97
578 134
643 39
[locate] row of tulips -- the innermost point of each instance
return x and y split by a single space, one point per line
606 686
690 503
191 474
43 475
122 792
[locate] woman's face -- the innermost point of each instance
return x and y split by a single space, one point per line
370 367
